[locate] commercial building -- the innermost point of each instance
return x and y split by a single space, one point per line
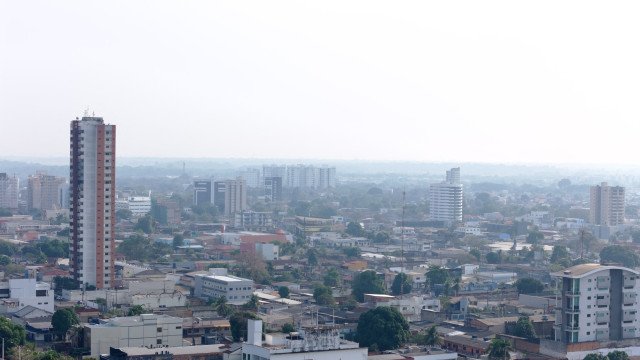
274 171
606 205
219 190
319 343
46 192
310 176
92 204
138 205
20 293
598 303
445 199
146 330
235 196
253 220
166 210
202 194
9 191
218 283
273 188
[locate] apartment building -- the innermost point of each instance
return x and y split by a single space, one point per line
46 192
445 199
9 191
235 196
597 303
606 205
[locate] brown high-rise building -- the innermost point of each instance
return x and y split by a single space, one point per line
92 201
606 205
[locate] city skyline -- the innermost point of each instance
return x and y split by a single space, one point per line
367 82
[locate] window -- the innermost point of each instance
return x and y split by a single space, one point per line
159 341
159 329
41 293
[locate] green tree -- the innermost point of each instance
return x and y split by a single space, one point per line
323 295
401 284
476 254
383 327
283 291
560 256
252 304
136 310
529 286
499 349
381 237
352 252
618 355
65 283
493 257
312 257
620 255
432 338
5 212
4 260
436 275
124 214
136 247
62 320
524 328
238 322
178 240
366 282
288 328
332 278
595 356
145 224
221 306
354 229
534 237
13 334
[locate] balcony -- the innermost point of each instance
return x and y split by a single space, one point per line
572 309
573 327
572 292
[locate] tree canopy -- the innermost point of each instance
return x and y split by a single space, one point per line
524 328
238 322
383 328
401 284
283 291
62 320
12 334
323 295
529 286
354 229
367 282
499 349
619 254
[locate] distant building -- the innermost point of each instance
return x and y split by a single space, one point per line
607 205
146 330
20 293
274 171
219 190
9 190
202 194
167 211
219 283
138 205
92 184
273 188
253 220
310 176
46 192
235 196
445 199
251 176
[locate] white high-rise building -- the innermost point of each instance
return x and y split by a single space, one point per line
251 176
9 189
445 198
92 201
235 196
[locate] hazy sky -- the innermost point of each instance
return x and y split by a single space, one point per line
508 81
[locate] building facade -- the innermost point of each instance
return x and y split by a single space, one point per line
9 191
597 303
146 330
445 199
219 283
235 196
202 194
273 188
46 192
607 205
92 201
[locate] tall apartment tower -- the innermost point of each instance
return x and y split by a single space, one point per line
606 205
235 196
445 198
273 188
9 189
92 193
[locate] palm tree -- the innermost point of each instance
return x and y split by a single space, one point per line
221 306
456 286
432 337
499 349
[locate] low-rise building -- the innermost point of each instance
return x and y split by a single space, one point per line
146 330
218 283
